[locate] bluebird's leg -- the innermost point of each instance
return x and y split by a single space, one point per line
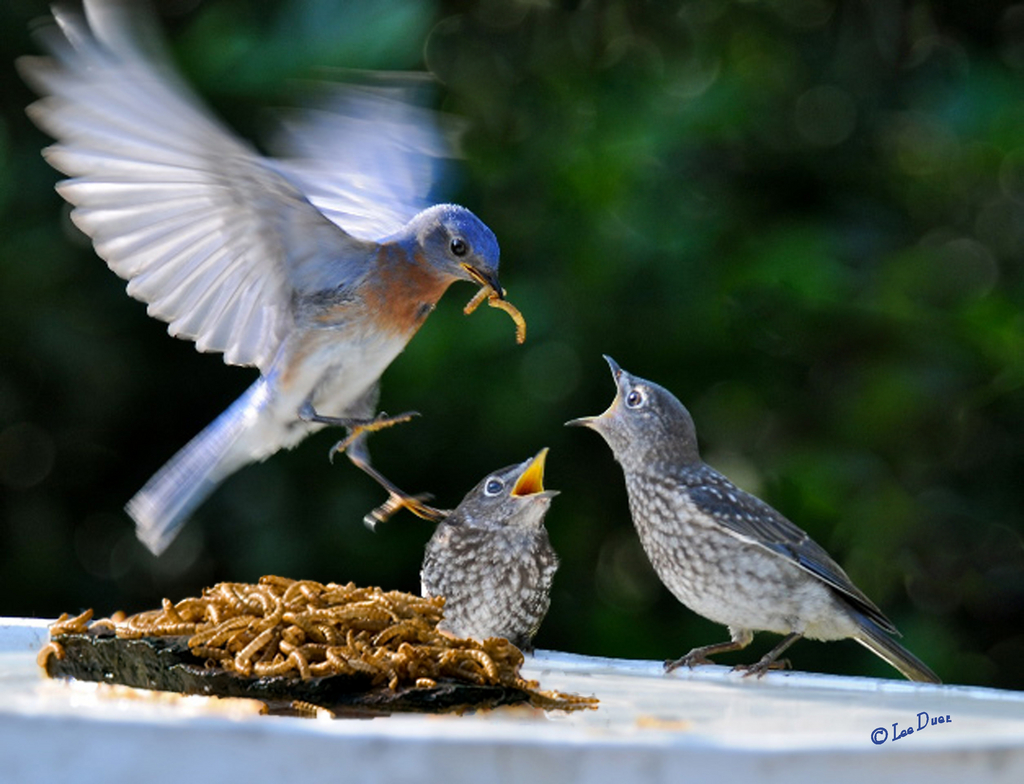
356 425
740 639
397 499
770 660
354 445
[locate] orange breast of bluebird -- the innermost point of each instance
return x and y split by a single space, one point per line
404 290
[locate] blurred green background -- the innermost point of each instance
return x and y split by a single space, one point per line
804 217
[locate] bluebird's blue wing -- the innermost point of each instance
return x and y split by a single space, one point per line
368 156
202 227
752 520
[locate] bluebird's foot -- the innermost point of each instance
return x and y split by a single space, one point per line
357 427
771 660
397 500
354 444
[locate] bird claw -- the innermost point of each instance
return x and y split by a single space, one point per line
360 427
398 501
760 667
700 655
691 660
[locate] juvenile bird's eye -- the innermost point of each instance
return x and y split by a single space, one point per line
493 486
635 398
459 246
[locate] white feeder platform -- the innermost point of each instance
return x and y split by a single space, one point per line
707 724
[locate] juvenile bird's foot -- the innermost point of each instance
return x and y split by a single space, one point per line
761 666
700 655
689 660
771 660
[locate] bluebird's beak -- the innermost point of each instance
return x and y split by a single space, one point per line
531 481
485 277
595 422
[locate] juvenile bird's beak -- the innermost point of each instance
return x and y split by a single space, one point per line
595 422
616 370
531 481
587 421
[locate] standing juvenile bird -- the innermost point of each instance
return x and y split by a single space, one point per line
316 269
491 559
724 553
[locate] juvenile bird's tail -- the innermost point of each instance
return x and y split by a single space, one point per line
885 647
164 505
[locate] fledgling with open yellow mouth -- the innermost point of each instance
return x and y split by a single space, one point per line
491 557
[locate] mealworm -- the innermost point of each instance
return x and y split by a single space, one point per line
67 625
50 649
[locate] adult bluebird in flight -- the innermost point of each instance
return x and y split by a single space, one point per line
724 553
317 267
491 557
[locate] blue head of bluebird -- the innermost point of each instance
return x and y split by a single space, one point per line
456 243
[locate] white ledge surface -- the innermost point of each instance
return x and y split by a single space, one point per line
650 727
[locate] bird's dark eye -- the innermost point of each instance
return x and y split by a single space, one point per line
635 398
493 486
459 246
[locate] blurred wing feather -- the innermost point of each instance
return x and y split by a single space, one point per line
368 156
202 227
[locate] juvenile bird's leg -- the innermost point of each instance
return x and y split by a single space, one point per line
769 660
354 445
740 640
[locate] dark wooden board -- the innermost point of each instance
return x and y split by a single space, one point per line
167 664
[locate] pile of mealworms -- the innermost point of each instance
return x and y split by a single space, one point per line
283 627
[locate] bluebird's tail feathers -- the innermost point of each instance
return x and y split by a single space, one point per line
164 504
885 647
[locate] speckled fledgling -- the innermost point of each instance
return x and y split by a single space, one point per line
724 553
491 559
